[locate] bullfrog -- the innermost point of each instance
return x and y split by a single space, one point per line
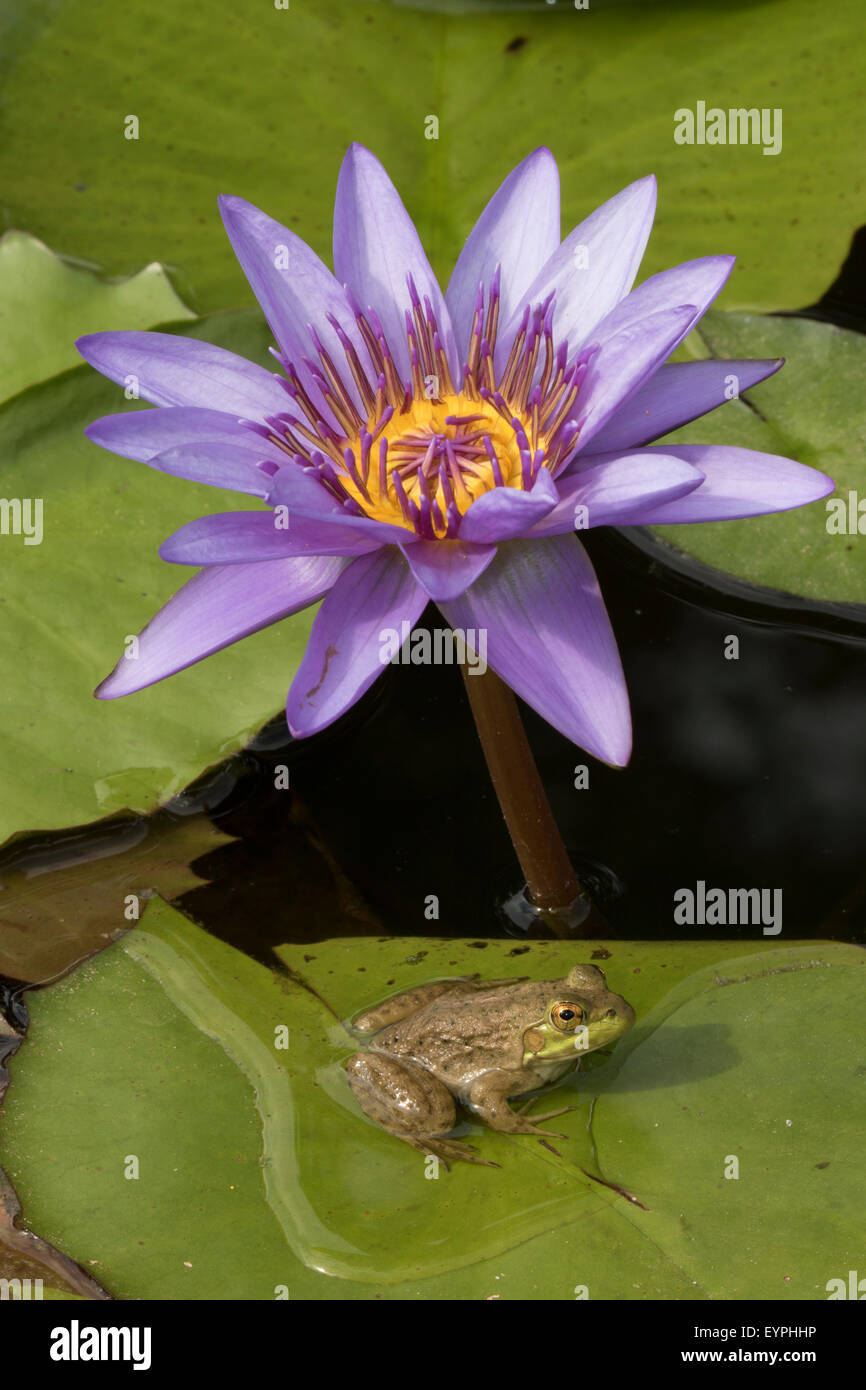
478 1042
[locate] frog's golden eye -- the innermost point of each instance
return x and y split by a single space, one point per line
566 1017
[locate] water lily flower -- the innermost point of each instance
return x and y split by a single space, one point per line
423 445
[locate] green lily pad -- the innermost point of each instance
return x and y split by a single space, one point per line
46 303
812 411
235 102
737 1117
259 1177
69 602
29 1266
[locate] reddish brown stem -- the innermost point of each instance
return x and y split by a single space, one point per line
550 877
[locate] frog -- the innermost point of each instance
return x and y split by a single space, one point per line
478 1043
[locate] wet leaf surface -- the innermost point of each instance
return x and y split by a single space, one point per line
256 1169
787 1110
259 114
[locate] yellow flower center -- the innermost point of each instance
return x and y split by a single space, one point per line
418 454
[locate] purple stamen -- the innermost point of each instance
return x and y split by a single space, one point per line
413 293
383 468
382 422
445 484
401 496
256 427
494 461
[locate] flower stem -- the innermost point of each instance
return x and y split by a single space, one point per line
550 877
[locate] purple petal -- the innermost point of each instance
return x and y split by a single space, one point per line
676 394
549 637
594 267
219 465
376 246
299 490
142 434
293 287
215 608
623 363
346 651
738 482
617 489
232 538
445 568
694 282
173 370
519 231
504 512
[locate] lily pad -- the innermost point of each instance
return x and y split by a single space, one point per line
64 901
258 1176
69 603
812 411
32 1267
738 1117
46 303
233 100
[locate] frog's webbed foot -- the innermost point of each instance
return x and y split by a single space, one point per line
531 1125
550 1114
448 1151
527 1127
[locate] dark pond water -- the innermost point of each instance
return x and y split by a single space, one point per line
746 774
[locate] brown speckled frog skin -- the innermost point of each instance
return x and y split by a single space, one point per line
478 1042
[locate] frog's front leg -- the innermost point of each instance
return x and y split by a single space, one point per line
489 1094
409 1103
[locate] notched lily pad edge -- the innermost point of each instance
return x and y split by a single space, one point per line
702 582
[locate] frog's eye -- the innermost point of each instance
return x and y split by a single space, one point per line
566 1017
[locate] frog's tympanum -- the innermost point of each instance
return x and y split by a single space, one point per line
478 1042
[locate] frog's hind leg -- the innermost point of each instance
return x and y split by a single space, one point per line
409 1103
